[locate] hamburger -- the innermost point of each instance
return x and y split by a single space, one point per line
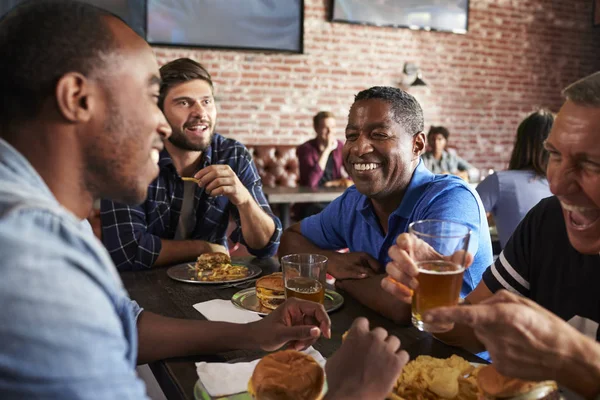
208 261
493 385
270 290
287 375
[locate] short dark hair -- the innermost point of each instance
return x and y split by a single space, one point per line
321 115
42 40
529 152
441 130
407 110
178 71
585 92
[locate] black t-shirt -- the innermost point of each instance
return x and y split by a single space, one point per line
540 263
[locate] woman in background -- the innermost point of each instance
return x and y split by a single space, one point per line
509 195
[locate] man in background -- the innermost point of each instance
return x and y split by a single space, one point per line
180 220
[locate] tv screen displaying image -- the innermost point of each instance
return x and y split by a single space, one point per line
438 15
133 12
237 24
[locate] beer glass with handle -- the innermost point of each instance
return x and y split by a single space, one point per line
304 276
441 274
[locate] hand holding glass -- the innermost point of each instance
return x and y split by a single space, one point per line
441 276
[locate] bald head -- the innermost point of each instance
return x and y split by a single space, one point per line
42 40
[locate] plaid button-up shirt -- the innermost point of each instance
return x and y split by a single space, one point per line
133 235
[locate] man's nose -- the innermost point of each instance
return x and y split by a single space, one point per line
562 180
361 146
198 109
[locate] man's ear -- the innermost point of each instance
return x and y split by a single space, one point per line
75 97
419 144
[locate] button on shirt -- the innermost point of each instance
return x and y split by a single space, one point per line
133 235
350 220
67 326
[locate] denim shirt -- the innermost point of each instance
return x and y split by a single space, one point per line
67 326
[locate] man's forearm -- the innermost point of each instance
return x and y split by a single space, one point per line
323 158
580 370
257 226
293 242
368 291
177 251
161 337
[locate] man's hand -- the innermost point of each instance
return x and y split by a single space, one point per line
403 270
525 340
208 247
220 180
358 265
298 322
366 366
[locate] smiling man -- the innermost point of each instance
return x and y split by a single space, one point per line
384 141
550 263
180 220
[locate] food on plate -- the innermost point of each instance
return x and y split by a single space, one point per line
288 375
208 261
217 267
270 290
494 385
429 378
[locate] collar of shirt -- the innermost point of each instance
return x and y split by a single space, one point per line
417 185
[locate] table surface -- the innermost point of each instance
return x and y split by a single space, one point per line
301 194
156 292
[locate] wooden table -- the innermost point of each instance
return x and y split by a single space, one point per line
284 196
155 291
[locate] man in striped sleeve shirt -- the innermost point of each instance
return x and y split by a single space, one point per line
537 309
181 219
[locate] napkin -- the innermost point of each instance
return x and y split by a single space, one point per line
225 311
223 379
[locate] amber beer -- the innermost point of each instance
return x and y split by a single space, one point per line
305 289
439 285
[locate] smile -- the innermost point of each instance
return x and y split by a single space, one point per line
581 218
366 166
197 128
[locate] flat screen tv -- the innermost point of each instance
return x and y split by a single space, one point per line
275 25
133 12
435 15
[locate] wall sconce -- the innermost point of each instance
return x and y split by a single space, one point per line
413 75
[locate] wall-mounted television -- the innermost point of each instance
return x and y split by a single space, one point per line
133 12
435 15
274 25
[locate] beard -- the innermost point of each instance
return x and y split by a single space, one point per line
180 140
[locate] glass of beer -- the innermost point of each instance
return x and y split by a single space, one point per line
304 276
441 275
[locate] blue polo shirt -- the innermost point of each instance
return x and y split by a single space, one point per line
350 220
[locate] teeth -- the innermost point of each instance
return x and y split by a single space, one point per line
196 127
155 156
365 167
569 207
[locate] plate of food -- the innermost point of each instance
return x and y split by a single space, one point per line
213 269
286 374
430 378
269 292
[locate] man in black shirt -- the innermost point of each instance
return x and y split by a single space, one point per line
549 271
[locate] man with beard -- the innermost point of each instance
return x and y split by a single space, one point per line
181 219
384 141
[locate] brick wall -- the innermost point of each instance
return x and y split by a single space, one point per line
516 56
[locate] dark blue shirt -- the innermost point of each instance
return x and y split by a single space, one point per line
133 235
350 220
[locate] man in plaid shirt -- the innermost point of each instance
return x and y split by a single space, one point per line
181 219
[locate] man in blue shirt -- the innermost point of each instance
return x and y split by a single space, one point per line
384 141
181 219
